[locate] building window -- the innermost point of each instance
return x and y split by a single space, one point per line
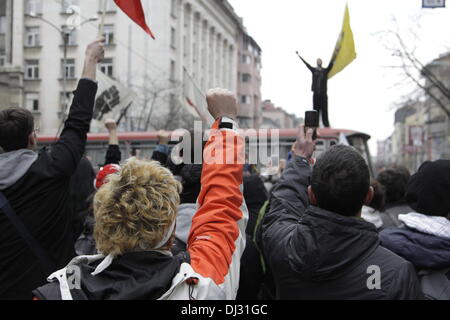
2 58
32 101
66 4
110 6
246 99
246 59
32 37
33 7
245 77
172 70
32 69
172 101
69 71
173 37
106 66
72 35
109 34
173 8
2 25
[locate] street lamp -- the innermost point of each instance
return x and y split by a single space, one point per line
65 34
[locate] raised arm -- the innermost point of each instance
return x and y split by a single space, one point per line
289 198
113 154
217 237
66 153
304 61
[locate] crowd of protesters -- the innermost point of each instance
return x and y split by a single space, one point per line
160 229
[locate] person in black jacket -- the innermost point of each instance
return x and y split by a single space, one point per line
319 88
37 186
326 251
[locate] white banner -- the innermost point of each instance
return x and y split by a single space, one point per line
112 99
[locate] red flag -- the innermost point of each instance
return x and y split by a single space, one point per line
133 9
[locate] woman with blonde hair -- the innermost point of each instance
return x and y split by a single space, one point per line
135 216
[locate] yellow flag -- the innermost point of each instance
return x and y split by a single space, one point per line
344 53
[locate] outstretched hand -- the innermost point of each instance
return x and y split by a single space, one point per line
222 103
304 146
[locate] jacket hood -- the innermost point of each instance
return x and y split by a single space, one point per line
186 212
424 251
14 165
435 226
329 244
132 276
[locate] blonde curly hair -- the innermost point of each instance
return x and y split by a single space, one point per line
135 208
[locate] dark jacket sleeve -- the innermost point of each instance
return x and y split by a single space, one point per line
288 202
113 155
307 64
66 153
330 66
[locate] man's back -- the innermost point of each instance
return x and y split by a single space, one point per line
329 256
316 252
39 197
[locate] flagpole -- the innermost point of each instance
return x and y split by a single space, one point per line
195 84
201 115
102 20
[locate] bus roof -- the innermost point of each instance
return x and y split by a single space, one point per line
324 133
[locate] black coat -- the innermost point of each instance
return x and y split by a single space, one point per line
317 254
145 275
40 199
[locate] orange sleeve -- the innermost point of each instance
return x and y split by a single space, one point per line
216 239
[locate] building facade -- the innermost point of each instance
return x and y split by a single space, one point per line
276 118
249 82
197 36
422 127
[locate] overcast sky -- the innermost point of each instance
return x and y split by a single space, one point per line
362 96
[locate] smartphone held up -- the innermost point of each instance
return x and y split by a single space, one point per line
312 122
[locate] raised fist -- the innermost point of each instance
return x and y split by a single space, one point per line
221 103
110 124
95 51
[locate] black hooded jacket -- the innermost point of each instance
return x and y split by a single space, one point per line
142 275
40 199
317 254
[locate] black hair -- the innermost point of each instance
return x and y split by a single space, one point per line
16 124
394 181
340 180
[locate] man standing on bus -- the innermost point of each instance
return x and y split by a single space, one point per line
36 235
319 88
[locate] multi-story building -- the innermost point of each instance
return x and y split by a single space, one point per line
436 122
249 82
276 118
422 127
199 36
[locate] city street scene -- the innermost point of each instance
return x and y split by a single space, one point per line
246 151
